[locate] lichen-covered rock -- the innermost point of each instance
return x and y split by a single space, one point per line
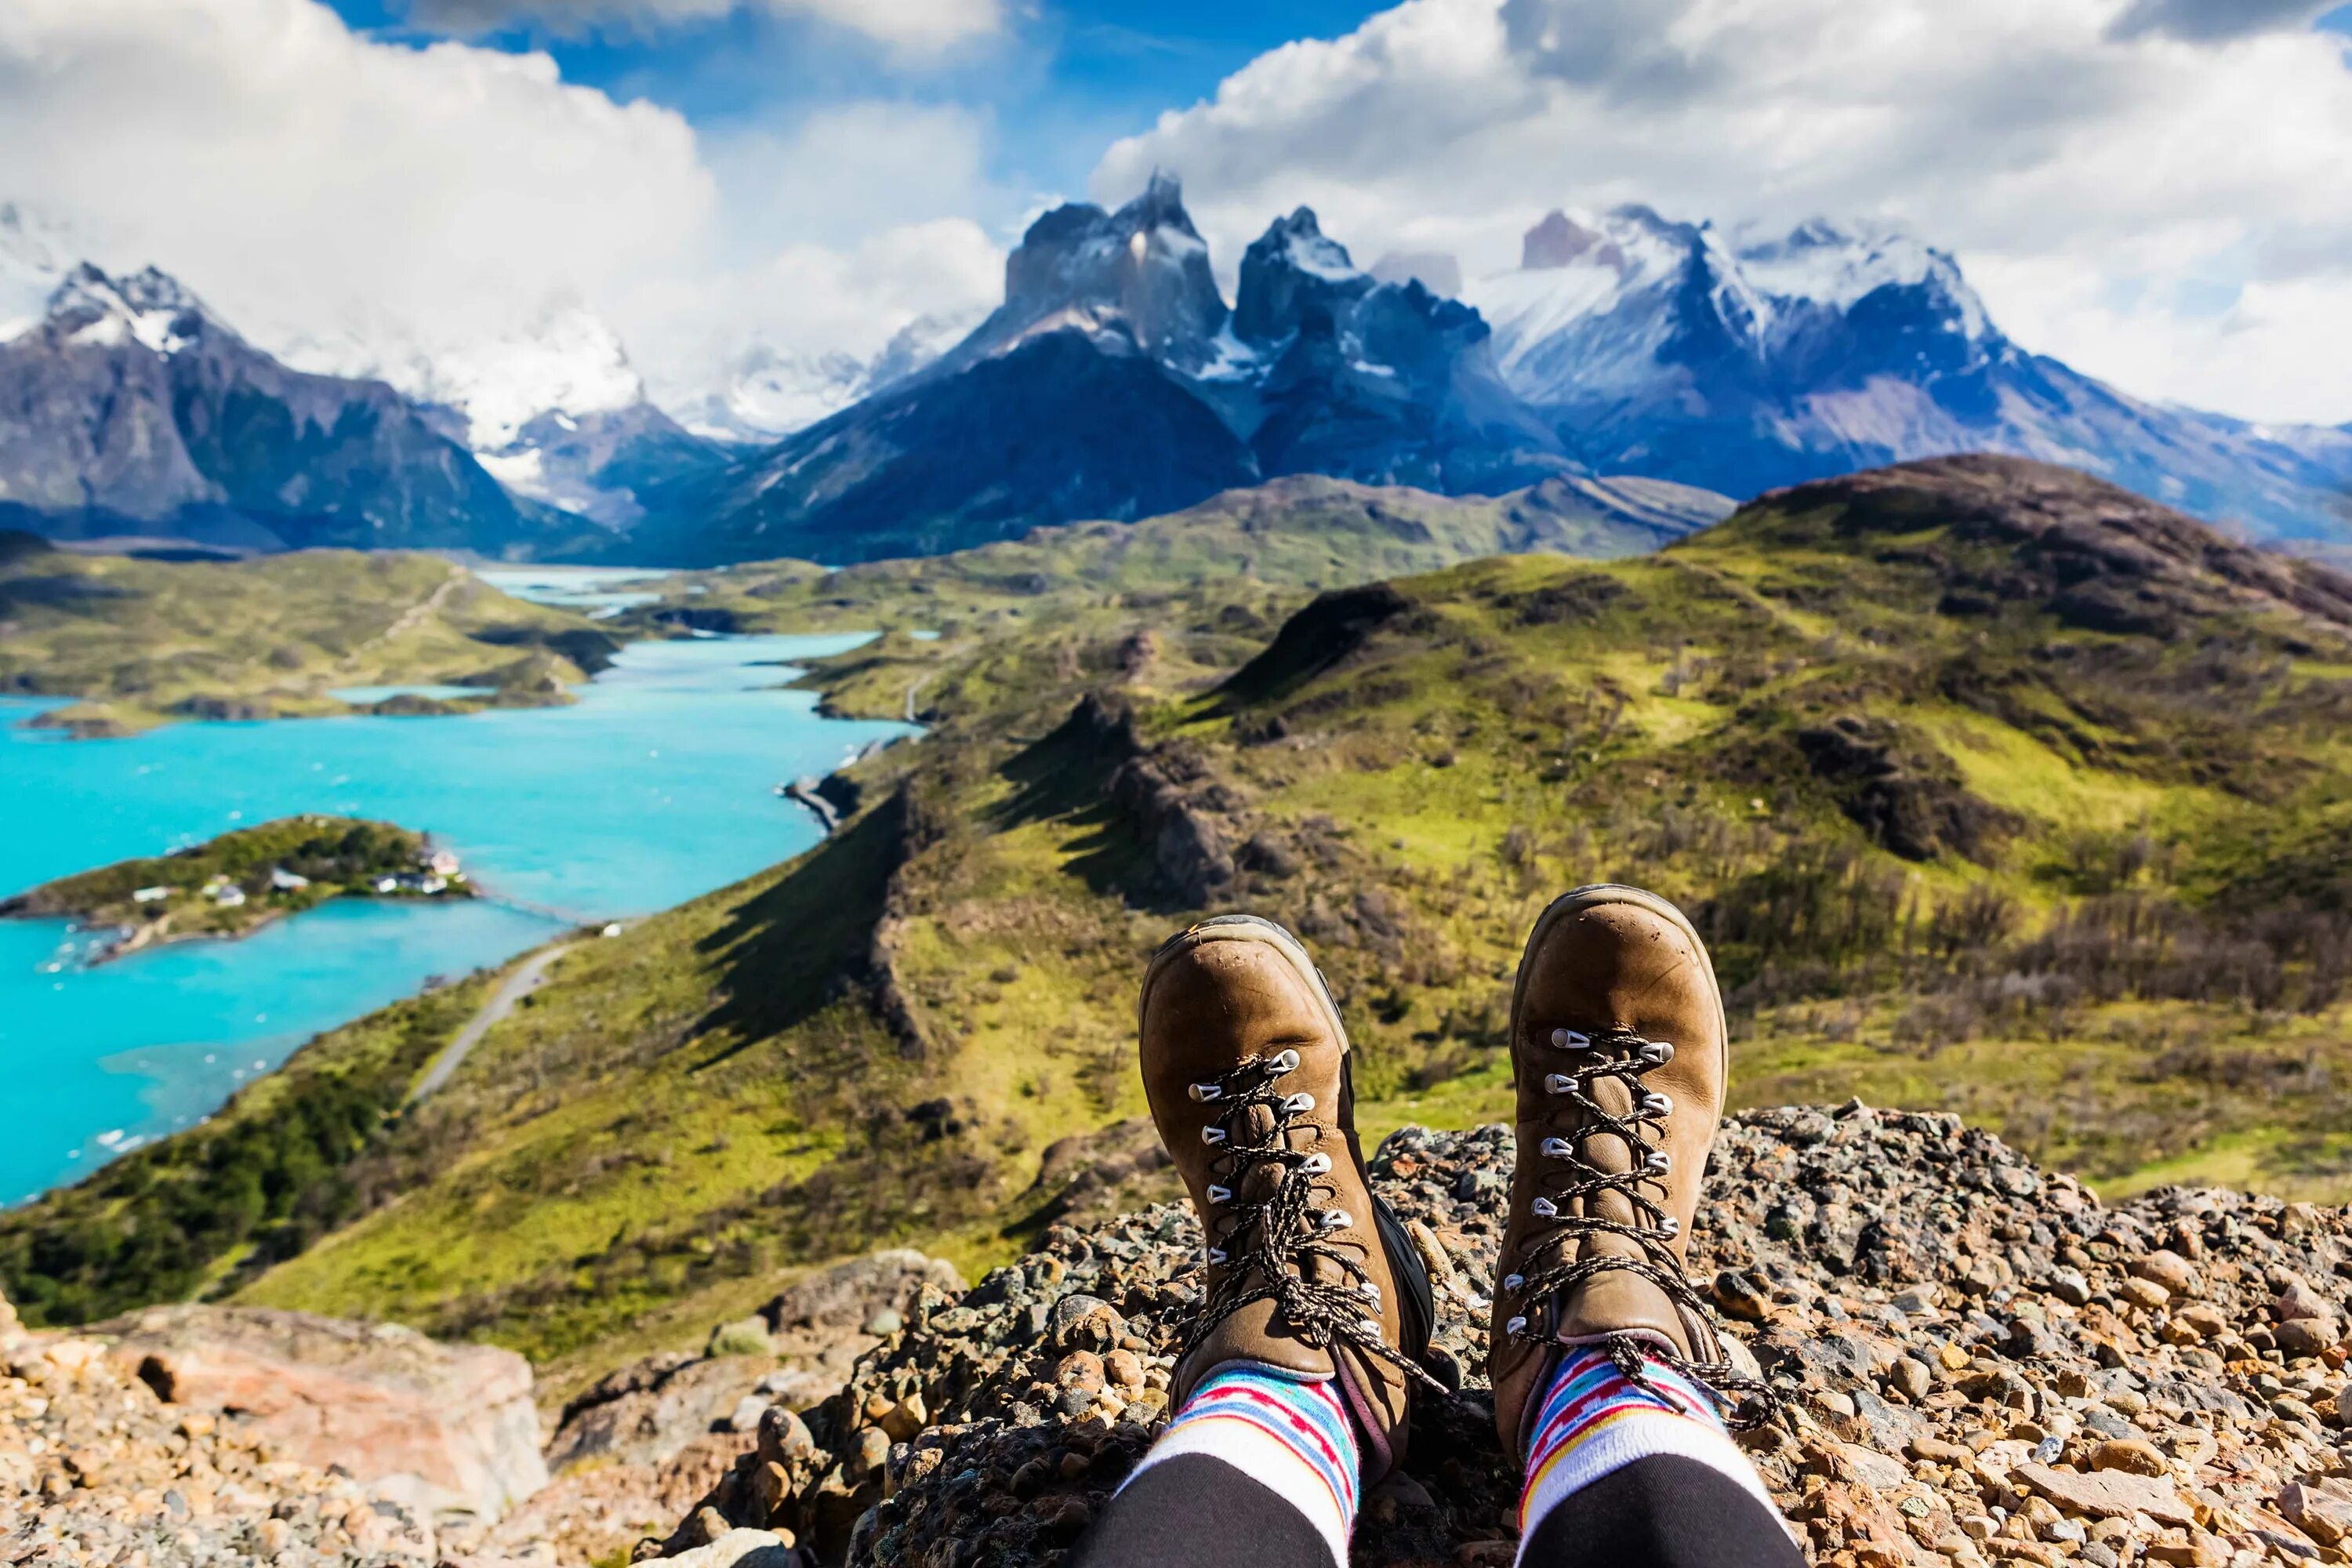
1968 1374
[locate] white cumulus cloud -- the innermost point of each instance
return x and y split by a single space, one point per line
2160 190
286 167
357 203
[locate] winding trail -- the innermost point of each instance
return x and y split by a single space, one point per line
519 985
413 617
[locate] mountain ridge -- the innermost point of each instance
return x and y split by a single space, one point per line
1625 344
134 409
1671 349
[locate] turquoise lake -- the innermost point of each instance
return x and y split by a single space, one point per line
656 785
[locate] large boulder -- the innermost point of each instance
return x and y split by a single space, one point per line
448 1429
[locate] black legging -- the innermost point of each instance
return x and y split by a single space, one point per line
1195 1512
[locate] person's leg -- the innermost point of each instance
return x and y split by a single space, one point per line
1606 1365
1621 1472
1291 1389
1661 1512
1250 1460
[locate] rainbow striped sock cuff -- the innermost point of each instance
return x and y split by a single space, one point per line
1292 1437
1594 1420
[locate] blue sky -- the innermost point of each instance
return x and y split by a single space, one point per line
1060 85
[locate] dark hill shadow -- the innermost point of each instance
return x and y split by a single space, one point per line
1332 628
1069 775
788 951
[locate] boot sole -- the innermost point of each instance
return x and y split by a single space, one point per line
1594 895
1418 1310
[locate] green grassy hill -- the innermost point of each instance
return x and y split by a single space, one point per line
1994 788
143 642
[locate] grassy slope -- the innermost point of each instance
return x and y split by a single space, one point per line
1289 537
2123 941
140 642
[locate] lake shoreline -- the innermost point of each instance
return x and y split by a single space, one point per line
656 786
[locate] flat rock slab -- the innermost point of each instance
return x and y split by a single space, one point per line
443 1429
2108 1494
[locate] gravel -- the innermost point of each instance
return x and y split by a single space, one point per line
95 1469
1982 1363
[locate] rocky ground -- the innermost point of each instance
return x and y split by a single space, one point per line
1982 1363
96 1468
632 1453
205 1435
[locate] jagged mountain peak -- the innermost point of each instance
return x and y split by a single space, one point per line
1162 205
1300 239
1289 273
1137 279
149 307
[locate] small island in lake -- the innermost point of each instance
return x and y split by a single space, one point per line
234 885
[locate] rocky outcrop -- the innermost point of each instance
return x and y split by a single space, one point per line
1329 631
445 1429
1189 818
1907 797
796 1350
1982 1362
639 1449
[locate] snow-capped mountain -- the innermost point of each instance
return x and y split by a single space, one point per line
551 405
133 409
1382 383
1743 362
1115 382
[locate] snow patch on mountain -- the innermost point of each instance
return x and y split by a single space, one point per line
150 308
567 361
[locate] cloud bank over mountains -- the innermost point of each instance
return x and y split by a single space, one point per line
2159 191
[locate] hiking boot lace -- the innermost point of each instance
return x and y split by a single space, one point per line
1626 1057
1268 1246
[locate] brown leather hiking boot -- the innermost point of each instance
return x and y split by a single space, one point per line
1245 1063
1620 1054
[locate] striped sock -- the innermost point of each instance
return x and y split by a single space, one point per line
1291 1438
1595 1421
